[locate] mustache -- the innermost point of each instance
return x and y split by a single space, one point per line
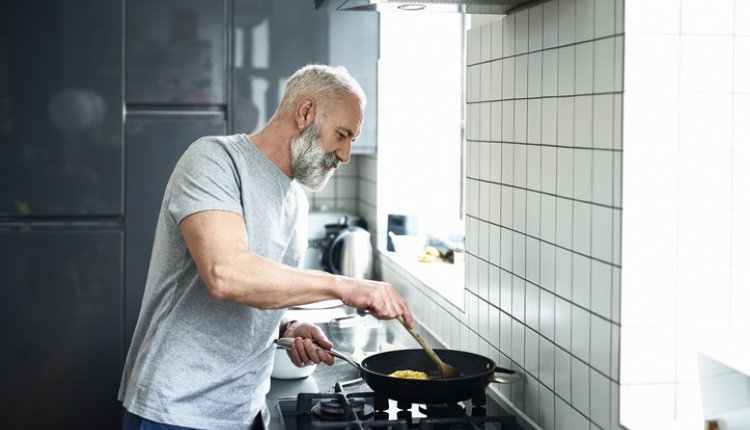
331 160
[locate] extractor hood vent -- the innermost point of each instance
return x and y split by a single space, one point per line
463 6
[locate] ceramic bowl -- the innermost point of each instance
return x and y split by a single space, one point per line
283 368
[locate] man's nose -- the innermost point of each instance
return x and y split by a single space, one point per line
344 152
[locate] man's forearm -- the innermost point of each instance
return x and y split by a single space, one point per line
263 283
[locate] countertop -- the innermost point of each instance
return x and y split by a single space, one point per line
357 336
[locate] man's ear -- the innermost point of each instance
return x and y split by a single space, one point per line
304 114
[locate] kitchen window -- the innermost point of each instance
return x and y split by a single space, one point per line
420 134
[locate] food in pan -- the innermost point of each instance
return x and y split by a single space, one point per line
409 374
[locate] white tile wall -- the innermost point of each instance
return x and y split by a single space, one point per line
705 63
341 192
653 61
549 25
551 209
695 20
685 71
563 273
580 388
742 17
544 155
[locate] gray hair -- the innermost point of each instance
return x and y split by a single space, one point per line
324 83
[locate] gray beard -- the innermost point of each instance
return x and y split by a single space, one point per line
312 166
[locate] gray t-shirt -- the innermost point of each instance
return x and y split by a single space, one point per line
195 361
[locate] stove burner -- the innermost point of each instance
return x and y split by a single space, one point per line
356 408
335 409
444 410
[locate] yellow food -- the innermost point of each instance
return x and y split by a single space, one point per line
409 374
427 258
431 250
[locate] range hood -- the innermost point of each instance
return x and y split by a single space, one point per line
461 6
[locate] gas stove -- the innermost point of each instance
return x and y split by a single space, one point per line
353 405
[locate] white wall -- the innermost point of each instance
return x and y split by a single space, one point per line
544 205
686 194
608 196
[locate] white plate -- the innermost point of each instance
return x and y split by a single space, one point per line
325 304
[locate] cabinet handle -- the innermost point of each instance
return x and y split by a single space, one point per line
147 111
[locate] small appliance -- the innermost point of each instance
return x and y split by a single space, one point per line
339 243
349 253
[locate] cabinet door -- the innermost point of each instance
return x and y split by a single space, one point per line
272 39
61 326
154 143
60 107
355 44
176 51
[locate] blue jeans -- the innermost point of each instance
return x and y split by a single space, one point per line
131 421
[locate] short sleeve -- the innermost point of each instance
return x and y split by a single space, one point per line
205 178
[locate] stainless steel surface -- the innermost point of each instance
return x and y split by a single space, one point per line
356 337
507 378
356 253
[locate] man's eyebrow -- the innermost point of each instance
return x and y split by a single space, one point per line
346 131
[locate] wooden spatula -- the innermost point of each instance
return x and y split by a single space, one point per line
446 370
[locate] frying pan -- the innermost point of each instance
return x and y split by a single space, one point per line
476 373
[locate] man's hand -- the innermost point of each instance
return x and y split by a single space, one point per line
304 351
378 298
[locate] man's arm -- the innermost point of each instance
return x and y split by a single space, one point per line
218 244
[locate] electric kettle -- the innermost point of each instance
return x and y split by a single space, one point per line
349 253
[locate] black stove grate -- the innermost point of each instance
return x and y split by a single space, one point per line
379 413
299 415
469 422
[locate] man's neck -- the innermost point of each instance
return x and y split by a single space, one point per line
275 145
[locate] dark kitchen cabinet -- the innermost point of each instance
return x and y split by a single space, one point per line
154 142
60 108
61 239
176 52
176 90
60 319
98 100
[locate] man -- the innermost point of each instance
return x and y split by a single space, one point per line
226 264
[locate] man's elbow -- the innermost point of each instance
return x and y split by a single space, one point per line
218 282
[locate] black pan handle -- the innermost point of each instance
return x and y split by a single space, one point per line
508 376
